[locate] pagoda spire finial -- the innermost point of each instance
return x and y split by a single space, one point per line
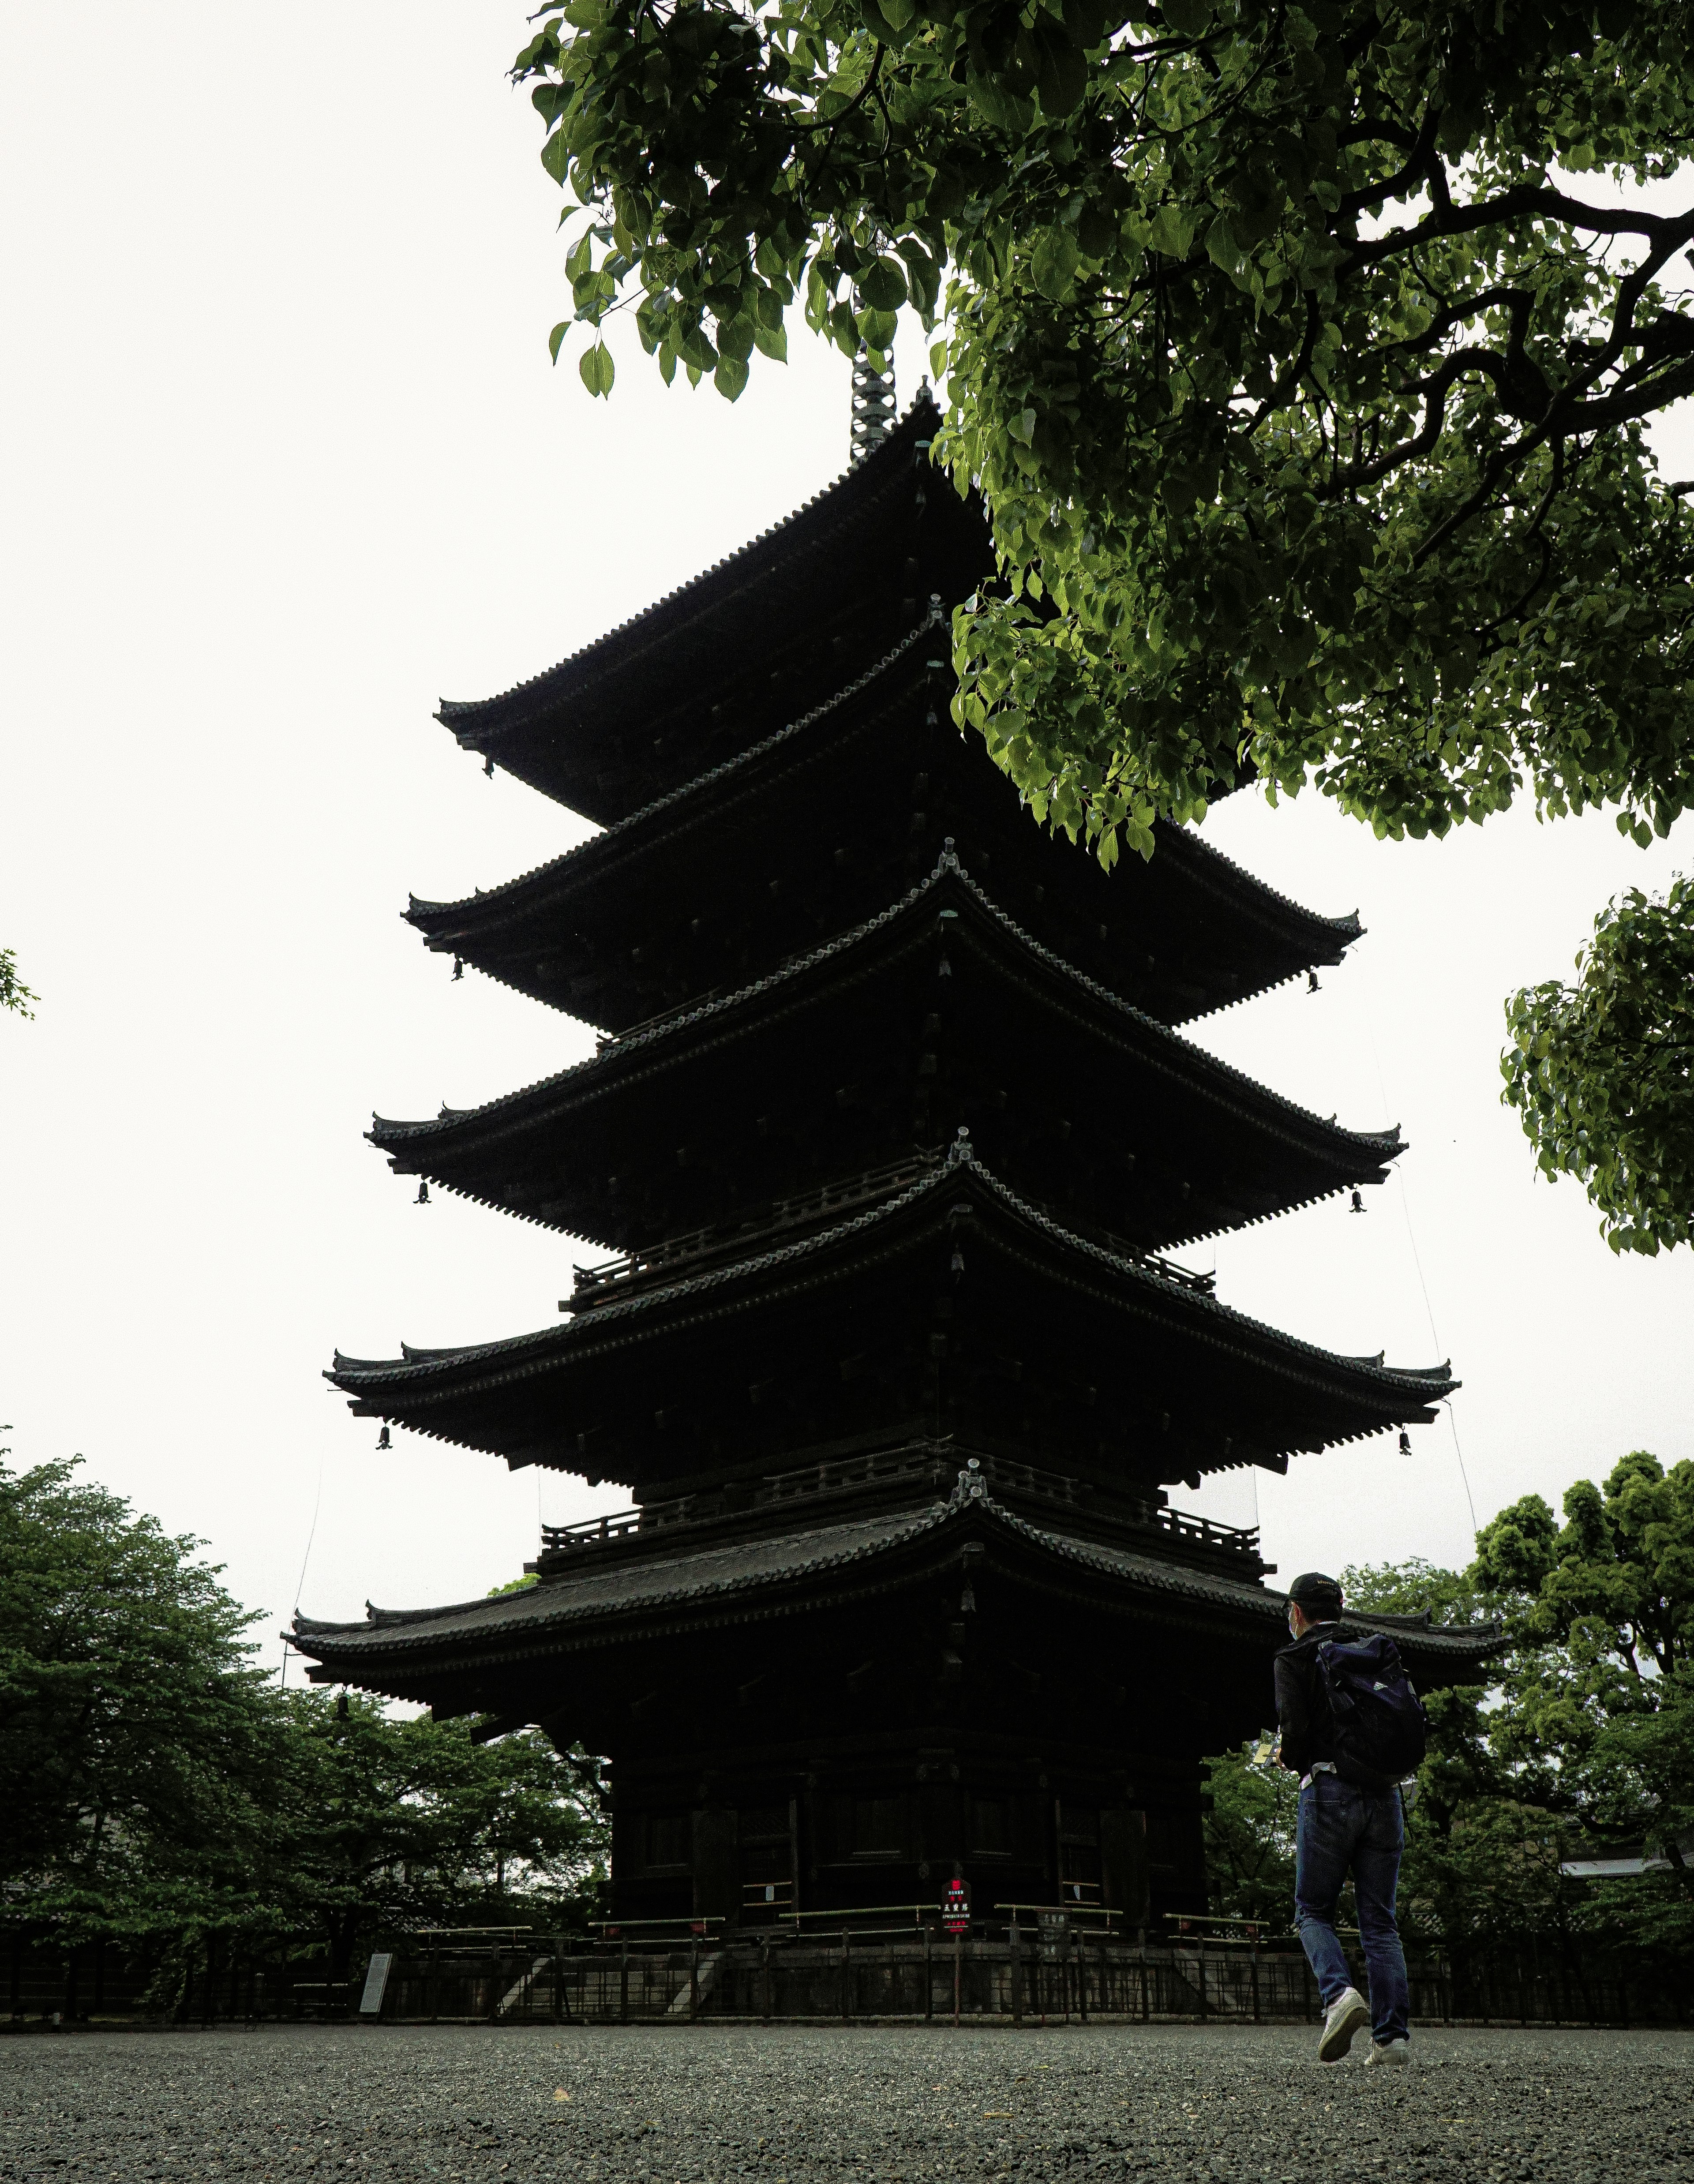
873 404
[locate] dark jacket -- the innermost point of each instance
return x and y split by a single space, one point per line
1302 1708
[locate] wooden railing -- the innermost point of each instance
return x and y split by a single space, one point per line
608 1277
848 1474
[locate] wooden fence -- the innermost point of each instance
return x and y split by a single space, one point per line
992 1974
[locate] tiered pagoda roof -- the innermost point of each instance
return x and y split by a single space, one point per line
939 1013
950 1306
479 1654
824 822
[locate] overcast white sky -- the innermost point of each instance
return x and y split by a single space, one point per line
285 461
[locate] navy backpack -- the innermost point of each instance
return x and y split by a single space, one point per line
1381 1729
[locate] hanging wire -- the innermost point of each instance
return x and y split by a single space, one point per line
1417 1261
311 1534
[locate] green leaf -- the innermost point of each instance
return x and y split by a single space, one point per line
1053 262
555 340
772 341
597 369
1173 231
731 376
1188 18
882 285
555 155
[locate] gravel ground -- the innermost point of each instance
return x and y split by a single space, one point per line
658 2106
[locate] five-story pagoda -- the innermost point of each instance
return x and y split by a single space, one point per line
888 1130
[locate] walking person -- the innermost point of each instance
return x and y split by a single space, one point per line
1351 1727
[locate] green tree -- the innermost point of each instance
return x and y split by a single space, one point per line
394 1823
139 1759
1602 1070
1482 1855
1250 1838
14 994
1302 354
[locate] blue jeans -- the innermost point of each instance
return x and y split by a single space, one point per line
1341 1827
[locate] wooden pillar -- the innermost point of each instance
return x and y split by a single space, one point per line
1082 1976
693 1977
928 1972
494 1987
623 1979
1017 1972
846 1976
1146 1999
765 1978
1257 2019
958 1971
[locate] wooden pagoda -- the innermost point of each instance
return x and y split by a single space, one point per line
888 1130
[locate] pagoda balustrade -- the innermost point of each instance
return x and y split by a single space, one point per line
609 1278
935 1461
691 1251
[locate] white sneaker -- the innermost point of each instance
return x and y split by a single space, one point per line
1393 2051
1348 2014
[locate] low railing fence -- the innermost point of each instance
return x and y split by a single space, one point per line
992 1973
919 1973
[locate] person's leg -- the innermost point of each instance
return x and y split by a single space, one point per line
1376 1875
1330 1815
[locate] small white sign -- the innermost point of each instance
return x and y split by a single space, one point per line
375 1985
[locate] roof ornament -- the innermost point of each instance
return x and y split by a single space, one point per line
947 862
873 404
972 1486
961 1151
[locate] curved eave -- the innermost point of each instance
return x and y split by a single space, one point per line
402 1389
679 1592
1355 1156
563 875
481 723
473 922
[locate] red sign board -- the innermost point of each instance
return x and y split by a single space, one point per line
956 1907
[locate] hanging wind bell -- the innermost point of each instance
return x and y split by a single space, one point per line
1358 1204
457 967
1311 985
382 1442
1404 1442
422 1198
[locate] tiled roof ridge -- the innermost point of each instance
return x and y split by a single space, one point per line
393 1131
548 1340
547 1606
862 482
689 789
1347 926
889 1530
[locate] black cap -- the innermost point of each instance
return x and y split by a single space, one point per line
1312 1589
